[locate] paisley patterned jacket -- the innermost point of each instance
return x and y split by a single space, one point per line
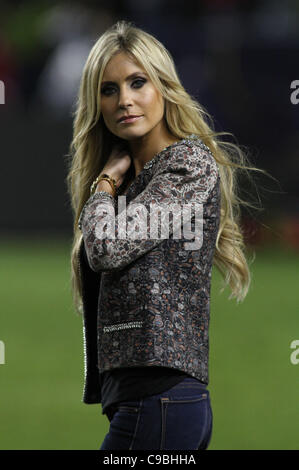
146 296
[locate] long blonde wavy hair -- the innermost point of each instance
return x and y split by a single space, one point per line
92 144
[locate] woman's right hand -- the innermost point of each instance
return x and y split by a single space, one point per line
118 164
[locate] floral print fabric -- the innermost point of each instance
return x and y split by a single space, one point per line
154 296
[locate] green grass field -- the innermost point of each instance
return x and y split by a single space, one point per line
254 387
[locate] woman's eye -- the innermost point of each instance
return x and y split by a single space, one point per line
139 83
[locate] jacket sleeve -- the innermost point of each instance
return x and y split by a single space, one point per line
184 177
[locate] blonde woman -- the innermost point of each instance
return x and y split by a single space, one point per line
141 141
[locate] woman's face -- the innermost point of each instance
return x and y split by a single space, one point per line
130 95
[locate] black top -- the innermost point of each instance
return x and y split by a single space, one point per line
133 383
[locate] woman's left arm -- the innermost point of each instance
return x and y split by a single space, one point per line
184 177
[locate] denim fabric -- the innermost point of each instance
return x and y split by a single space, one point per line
177 419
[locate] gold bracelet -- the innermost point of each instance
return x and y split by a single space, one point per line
107 178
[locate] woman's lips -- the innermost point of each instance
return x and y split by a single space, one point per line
127 121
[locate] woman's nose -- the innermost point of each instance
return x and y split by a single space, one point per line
124 97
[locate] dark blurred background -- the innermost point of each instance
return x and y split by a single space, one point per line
238 58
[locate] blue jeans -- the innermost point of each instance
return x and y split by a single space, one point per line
177 419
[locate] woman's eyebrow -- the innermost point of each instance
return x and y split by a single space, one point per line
132 75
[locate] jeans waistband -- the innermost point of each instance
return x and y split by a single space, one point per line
192 380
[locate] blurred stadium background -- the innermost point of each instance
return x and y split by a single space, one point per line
239 59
